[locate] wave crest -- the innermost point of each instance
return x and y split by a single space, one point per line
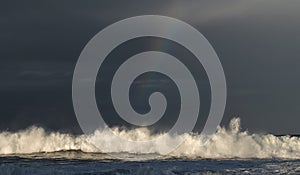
225 143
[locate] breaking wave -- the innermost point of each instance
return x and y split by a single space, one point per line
225 143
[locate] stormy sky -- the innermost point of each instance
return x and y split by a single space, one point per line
257 42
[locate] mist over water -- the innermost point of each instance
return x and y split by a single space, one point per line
228 142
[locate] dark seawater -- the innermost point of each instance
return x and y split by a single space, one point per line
77 162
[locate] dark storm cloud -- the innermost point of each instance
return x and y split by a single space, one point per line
257 42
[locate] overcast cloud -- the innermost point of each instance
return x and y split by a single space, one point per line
257 42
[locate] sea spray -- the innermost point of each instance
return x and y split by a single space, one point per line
225 143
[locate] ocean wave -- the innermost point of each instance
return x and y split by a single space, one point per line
225 143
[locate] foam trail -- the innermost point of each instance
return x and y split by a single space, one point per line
225 143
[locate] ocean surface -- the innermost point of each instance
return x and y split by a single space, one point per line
229 151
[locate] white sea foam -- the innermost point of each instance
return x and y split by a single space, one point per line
225 143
